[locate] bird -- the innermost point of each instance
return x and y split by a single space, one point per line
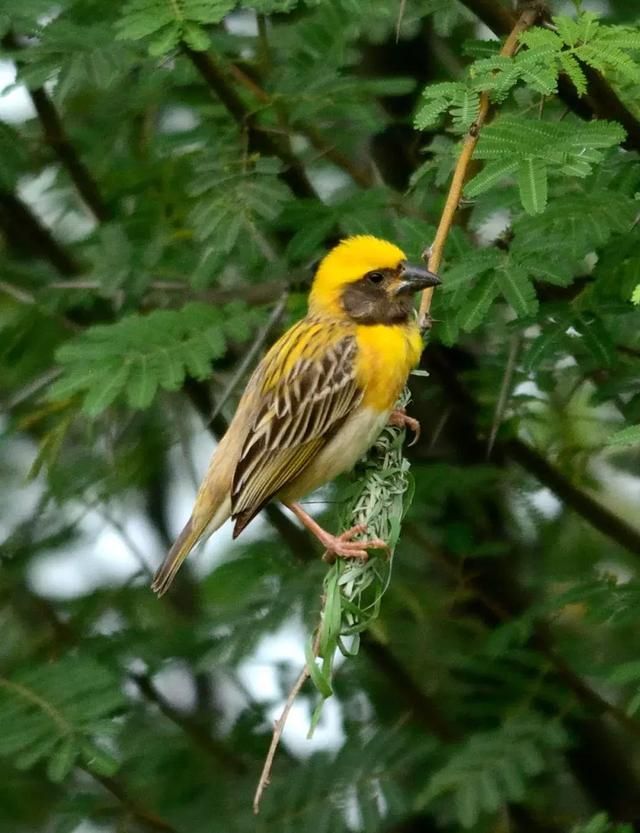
318 399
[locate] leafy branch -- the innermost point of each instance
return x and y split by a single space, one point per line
56 137
259 139
460 173
139 354
600 100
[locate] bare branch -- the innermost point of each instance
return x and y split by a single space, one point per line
28 236
597 515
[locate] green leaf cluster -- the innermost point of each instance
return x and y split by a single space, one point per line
527 150
566 48
494 767
142 353
168 22
60 714
233 199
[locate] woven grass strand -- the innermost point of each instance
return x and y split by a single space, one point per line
353 589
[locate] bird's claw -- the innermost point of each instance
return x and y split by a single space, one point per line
343 545
400 418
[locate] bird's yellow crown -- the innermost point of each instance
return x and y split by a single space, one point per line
347 262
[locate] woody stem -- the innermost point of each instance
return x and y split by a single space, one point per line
526 19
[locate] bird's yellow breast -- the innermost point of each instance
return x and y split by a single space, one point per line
386 356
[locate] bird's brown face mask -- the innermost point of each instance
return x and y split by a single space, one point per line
385 296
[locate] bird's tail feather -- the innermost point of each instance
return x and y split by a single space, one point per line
200 525
183 545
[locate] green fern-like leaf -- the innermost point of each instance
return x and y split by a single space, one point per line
597 338
478 302
518 289
439 98
234 199
464 109
495 75
140 354
167 22
365 775
546 55
560 272
492 768
470 266
13 158
581 30
575 223
544 345
56 713
520 137
492 173
542 79
77 56
603 599
570 65
605 55
542 41
534 149
603 47
532 183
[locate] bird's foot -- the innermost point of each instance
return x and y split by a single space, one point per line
343 545
400 418
339 546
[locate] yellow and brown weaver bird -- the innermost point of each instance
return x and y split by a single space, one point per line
318 399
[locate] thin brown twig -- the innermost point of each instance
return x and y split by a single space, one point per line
278 729
526 19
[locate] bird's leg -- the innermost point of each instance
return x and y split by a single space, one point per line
341 546
400 418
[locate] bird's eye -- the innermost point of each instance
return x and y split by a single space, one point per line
375 277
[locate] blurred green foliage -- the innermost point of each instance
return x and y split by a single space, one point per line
192 161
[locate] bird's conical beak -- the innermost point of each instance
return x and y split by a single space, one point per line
415 278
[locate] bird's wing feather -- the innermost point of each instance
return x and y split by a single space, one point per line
306 395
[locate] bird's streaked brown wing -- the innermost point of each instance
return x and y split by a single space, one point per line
308 401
